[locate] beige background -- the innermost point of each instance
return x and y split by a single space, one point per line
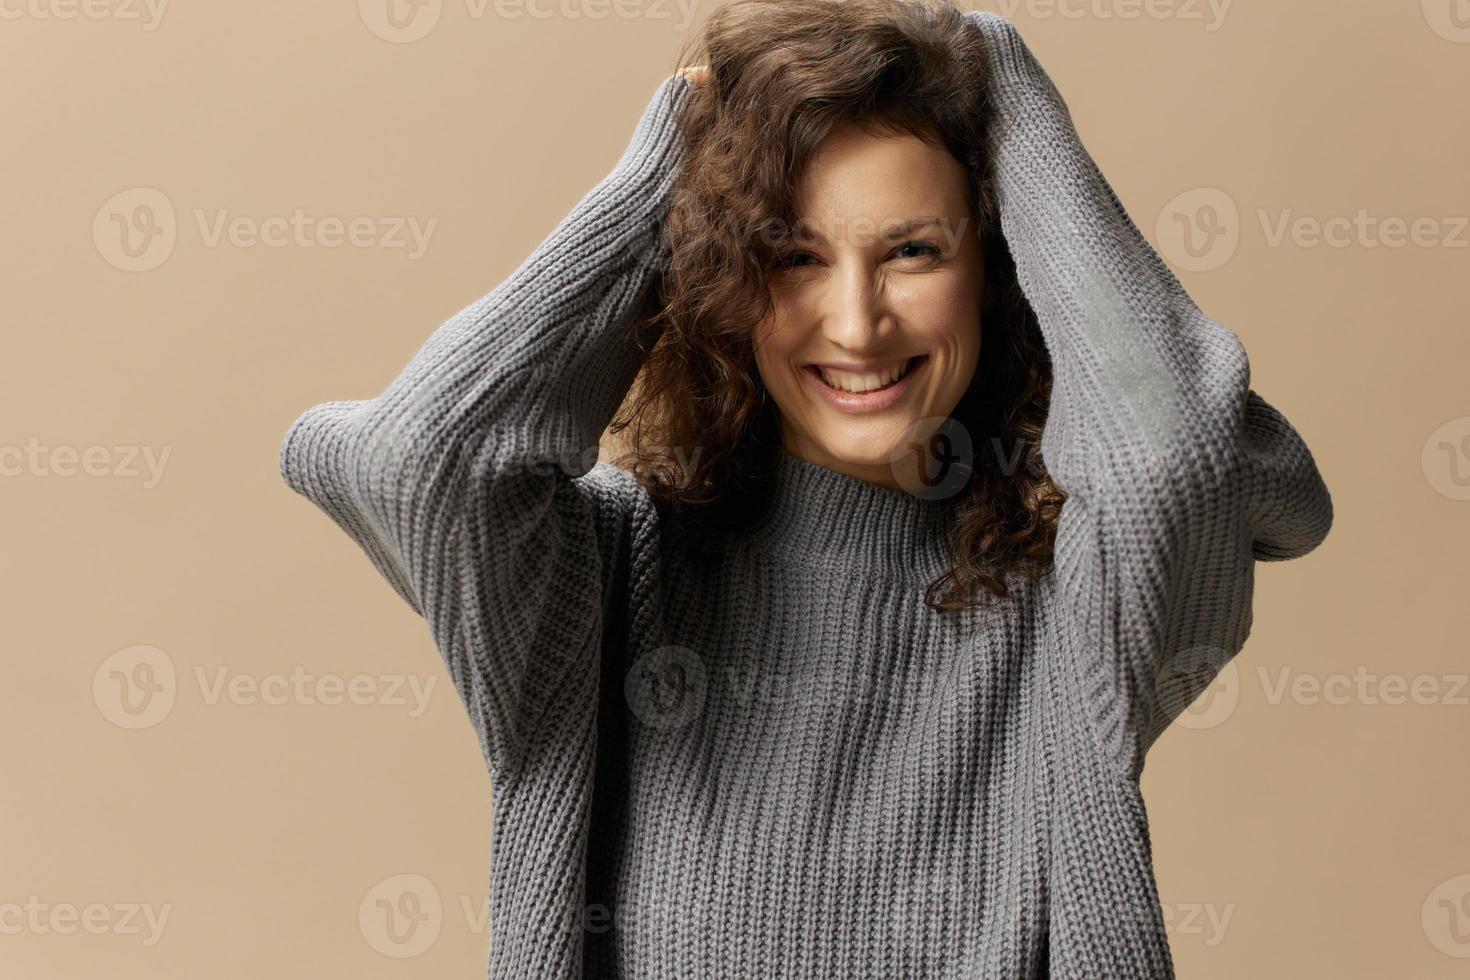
1296 835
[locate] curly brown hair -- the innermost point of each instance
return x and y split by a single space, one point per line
697 429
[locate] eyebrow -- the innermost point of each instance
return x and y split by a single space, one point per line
910 224
890 229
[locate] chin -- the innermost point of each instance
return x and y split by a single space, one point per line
863 446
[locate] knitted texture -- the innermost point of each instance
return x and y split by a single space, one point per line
783 763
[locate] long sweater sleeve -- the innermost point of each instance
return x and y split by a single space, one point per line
471 481
1179 476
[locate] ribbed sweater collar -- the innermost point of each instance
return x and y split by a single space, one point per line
817 513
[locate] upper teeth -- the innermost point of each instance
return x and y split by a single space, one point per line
859 383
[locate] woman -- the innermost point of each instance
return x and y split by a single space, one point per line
845 674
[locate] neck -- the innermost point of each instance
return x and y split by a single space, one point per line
818 513
883 474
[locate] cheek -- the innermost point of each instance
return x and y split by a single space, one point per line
774 340
952 294
948 306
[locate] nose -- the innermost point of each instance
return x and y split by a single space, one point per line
855 314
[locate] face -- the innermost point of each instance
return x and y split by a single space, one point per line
875 329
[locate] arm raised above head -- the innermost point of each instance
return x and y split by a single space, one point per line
471 481
1179 476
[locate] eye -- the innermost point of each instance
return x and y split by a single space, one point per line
791 259
926 248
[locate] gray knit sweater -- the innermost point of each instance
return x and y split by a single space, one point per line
783 763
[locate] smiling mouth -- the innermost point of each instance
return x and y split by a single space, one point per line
865 382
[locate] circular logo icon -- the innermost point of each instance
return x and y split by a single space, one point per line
400 21
1445 916
135 687
1199 230
1199 688
666 688
1446 458
934 458
135 230
401 916
1450 19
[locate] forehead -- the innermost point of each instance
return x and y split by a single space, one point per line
855 174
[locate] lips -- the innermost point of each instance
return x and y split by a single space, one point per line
856 388
859 380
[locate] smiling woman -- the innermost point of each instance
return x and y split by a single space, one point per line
876 337
732 727
836 229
